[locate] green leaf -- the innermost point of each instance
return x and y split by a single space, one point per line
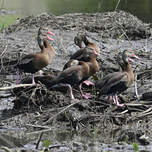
135 147
95 77
46 143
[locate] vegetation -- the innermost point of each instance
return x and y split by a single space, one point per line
135 147
6 20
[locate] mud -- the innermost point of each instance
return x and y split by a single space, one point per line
81 125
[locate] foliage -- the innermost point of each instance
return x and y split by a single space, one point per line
46 143
135 147
95 77
6 20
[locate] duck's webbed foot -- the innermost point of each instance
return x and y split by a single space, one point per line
88 82
86 96
115 99
65 85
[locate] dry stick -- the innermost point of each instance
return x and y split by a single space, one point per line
134 104
123 112
57 146
61 112
135 85
5 49
144 73
146 111
6 149
17 86
117 5
38 132
39 139
143 114
38 126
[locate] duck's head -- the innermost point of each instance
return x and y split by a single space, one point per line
43 33
127 56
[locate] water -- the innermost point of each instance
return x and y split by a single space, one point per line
140 8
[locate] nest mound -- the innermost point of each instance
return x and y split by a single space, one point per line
109 24
46 108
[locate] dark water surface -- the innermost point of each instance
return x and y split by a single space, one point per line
140 8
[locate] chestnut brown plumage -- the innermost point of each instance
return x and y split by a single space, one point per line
80 55
82 38
32 63
117 82
75 75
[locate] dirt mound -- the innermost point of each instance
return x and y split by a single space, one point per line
38 107
109 24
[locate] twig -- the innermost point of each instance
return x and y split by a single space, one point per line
143 75
17 86
146 111
6 149
123 112
143 115
38 142
134 104
117 5
38 126
40 131
3 52
57 146
135 84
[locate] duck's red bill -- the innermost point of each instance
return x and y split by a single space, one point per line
51 33
130 60
95 52
134 56
49 38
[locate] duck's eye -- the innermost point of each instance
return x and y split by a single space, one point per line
77 42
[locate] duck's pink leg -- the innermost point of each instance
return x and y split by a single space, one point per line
88 82
110 98
87 95
71 92
115 99
17 77
33 81
68 85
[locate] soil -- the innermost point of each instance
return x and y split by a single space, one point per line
106 126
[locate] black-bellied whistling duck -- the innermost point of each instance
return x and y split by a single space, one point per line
80 54
82 38
76 74
117 82
32 63
82 57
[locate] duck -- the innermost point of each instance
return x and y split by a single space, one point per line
75 75
32 63
117 82
80 54
83 38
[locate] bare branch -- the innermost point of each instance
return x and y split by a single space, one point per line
17 86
